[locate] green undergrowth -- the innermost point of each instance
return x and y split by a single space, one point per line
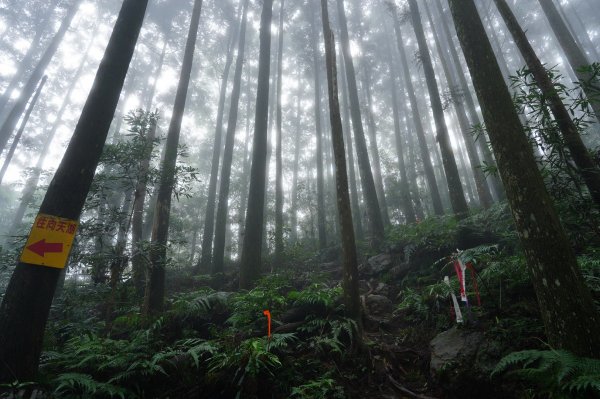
207 341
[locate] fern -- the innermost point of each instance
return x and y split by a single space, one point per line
77 385
316 294
554 371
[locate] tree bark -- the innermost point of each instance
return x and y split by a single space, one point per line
457 196
223 206
155 285
26 303
362 154
571 319
578 151
350 264
251 251
434 192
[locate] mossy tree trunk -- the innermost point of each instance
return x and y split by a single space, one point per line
570 316
26 303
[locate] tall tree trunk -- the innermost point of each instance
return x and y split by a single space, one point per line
209 220
362 154
483 190
575 55
468 100
457 196
356 213
223 206
294 193
407 206
26 303
438 209
582 158
138 261
372 131
350 264
245 169
17 137
321 218
19 106
278 151
155 286
32 182
251 251
570 316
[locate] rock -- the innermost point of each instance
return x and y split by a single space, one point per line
378 305
400 271
380 263
454 346
382 289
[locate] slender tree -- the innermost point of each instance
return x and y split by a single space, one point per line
481 185
19 106
578 151
155 285
362 154
29 294
32 182
321 218
407 206
252 248
296 166
17 137
278 151
468 100
571 319
350 264
457 196
223 206
575 55
209 219
434 192
138 261
356 214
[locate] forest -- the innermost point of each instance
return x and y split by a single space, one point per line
299 199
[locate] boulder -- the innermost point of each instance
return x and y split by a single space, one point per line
380 263
453 348
378 305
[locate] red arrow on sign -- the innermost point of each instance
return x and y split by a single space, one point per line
42 247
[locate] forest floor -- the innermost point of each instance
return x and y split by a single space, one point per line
211 341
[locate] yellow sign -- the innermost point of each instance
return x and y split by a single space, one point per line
50 241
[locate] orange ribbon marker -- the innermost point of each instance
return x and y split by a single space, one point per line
268 314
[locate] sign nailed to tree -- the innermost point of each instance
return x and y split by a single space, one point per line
49 242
